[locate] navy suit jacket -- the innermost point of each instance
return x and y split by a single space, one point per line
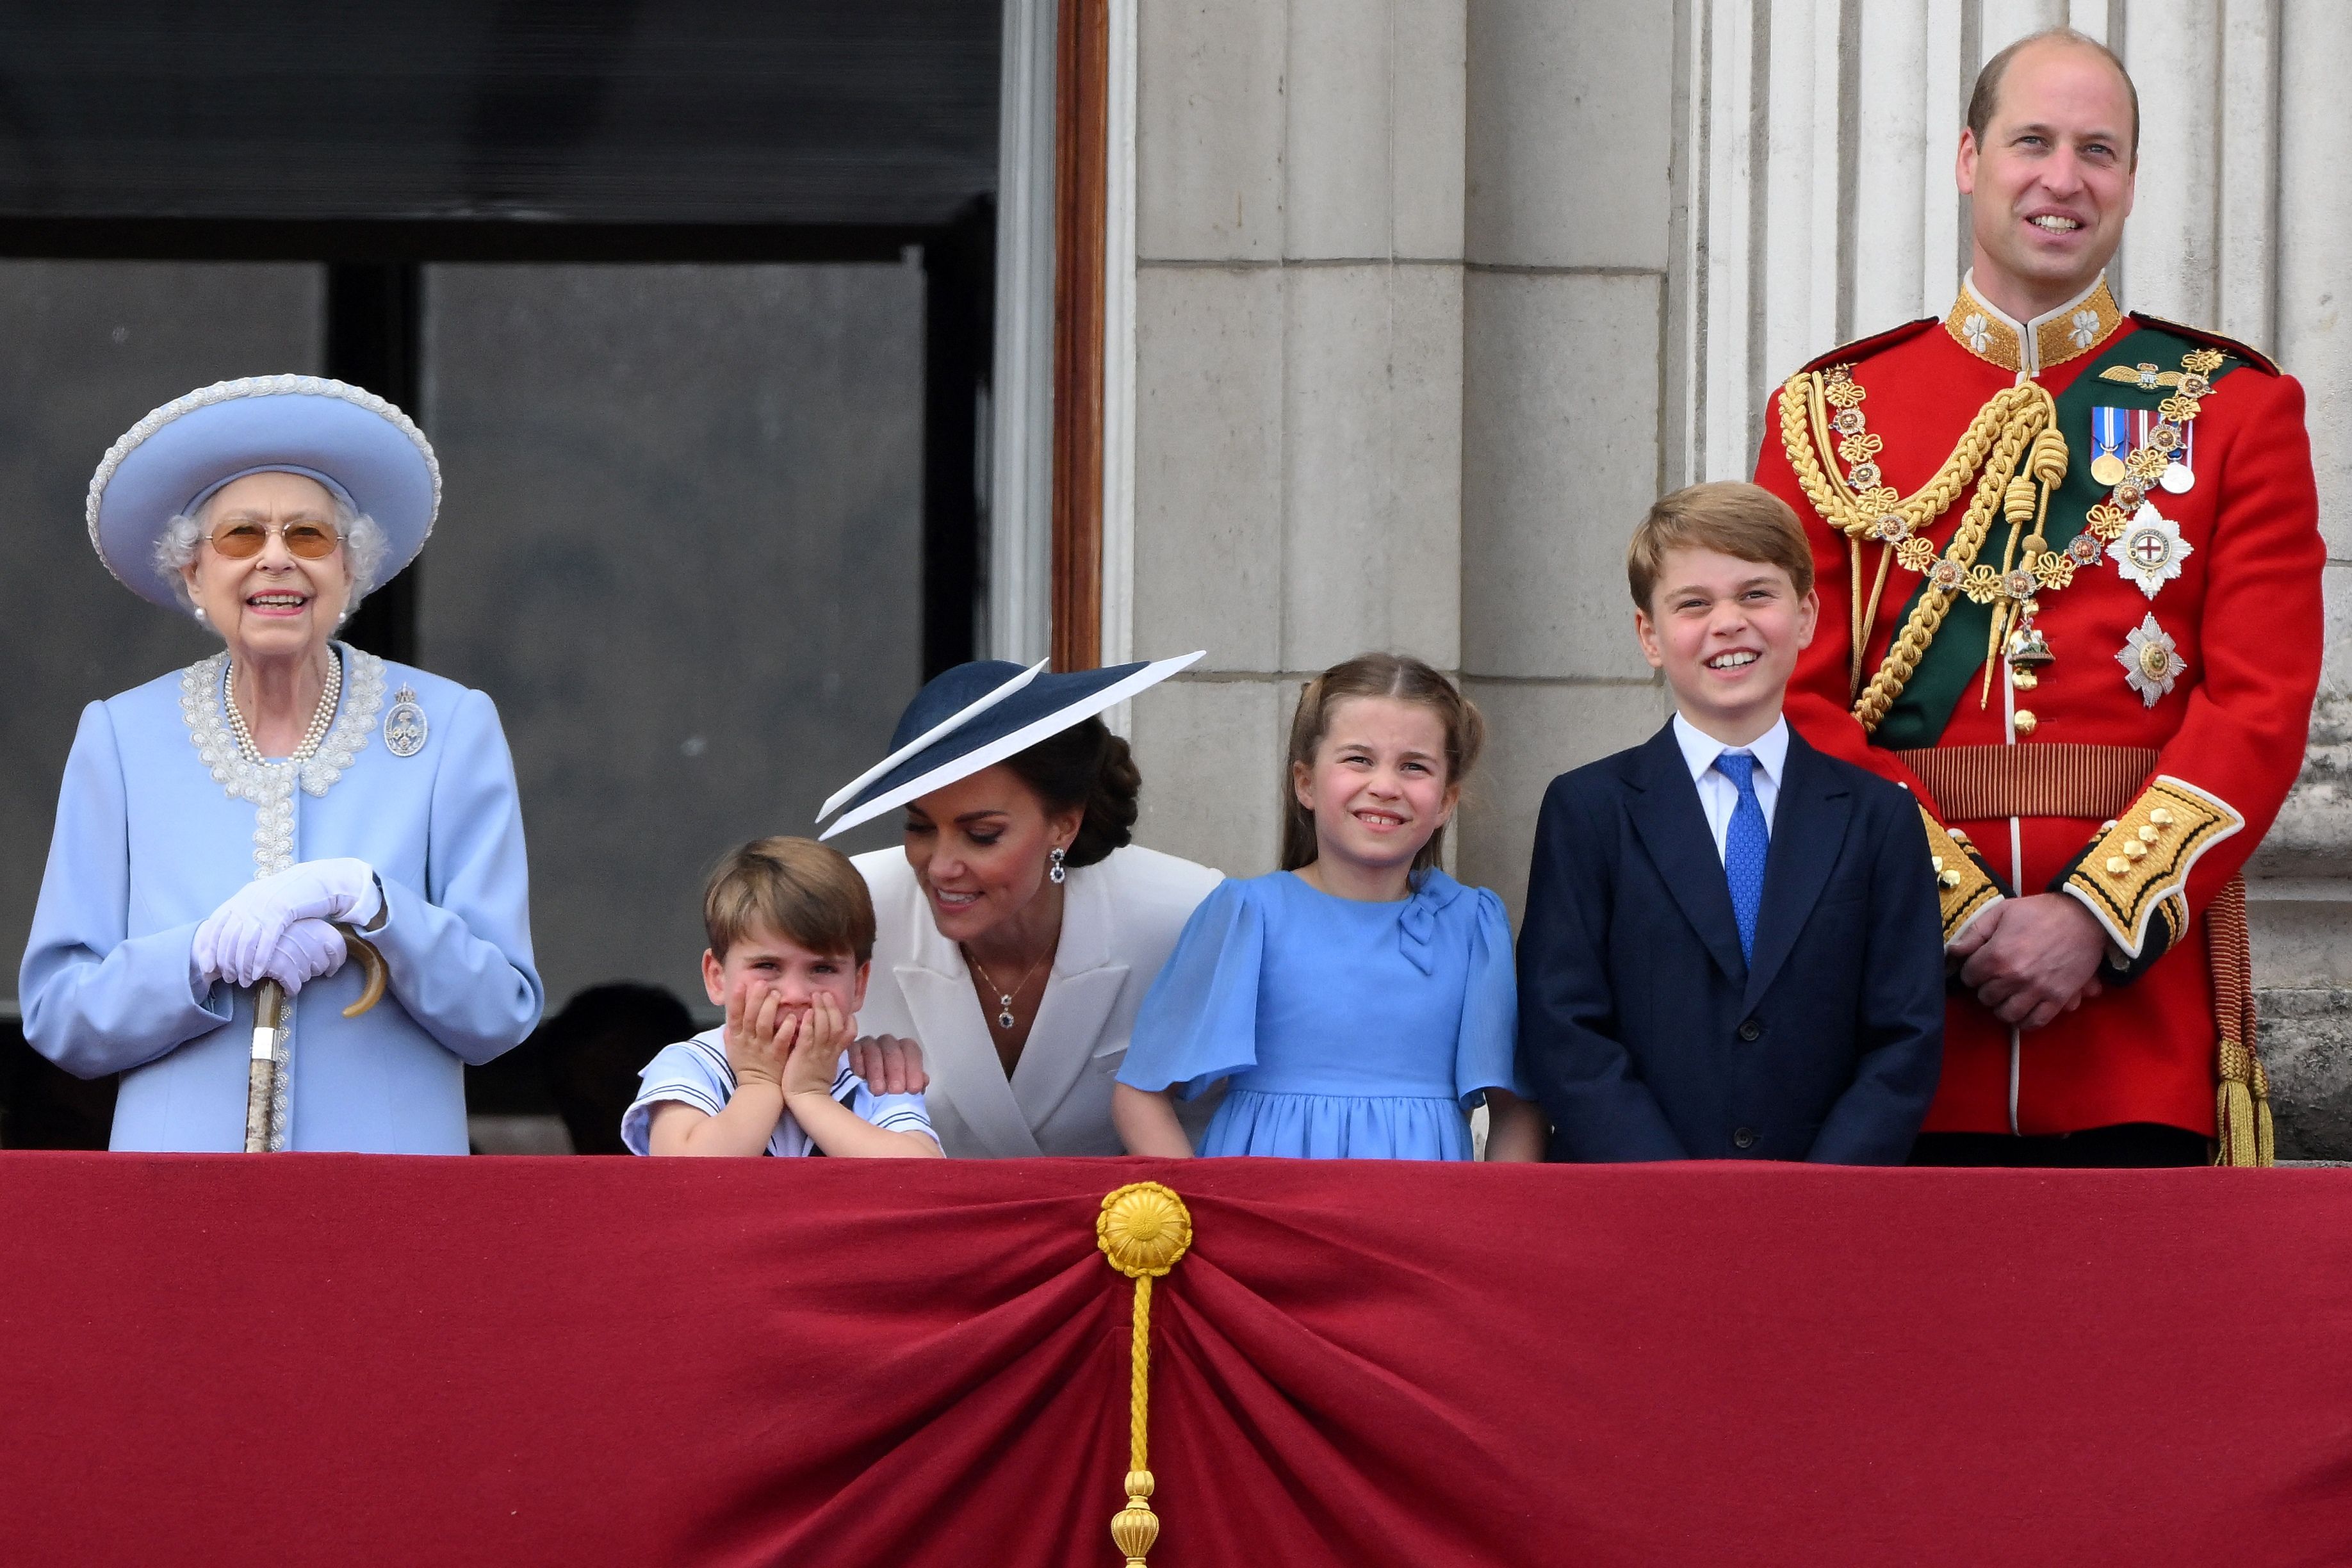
1644 1032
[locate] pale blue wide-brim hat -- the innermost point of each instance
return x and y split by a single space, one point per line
357 444
976 715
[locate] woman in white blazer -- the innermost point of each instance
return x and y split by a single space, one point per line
1018 928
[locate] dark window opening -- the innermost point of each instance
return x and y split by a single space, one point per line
757 221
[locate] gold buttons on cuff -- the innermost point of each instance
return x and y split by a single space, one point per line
2134 848
2025 721
2148 836
2117 865
2161 817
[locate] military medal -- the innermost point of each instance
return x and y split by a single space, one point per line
2107 438
404 724
2180 476
2154 432
2150 550
2151 663
2137 453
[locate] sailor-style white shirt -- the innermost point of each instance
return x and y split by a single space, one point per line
695 1072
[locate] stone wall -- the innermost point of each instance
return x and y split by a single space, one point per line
1432 297
1298 362
1399 274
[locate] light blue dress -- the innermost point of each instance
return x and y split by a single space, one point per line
1348 1030
159 819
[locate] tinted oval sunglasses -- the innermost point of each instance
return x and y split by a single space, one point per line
310 541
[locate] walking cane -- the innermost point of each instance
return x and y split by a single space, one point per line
268 1021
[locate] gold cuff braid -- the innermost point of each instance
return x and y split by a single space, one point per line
2134 871
1961 884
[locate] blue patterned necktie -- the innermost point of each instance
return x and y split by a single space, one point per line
1743 847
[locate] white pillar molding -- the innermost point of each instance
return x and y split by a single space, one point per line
1893 149
1790 221
1020 539
1949 75
2246 253
2315 335
1765 215
2001 23
2093 18
2173 48
1721 234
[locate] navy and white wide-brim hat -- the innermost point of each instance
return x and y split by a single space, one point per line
360 447
976 715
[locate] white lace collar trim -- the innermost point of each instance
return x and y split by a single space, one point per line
203 704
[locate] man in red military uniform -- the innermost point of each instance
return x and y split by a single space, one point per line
2070 570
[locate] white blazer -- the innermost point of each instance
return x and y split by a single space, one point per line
1120 919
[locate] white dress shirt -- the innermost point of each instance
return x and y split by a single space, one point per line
1717 796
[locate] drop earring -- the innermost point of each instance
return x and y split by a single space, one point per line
1055 872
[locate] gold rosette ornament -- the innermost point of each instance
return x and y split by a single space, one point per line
1143 1230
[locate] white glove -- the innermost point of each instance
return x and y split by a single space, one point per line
237 941
310 948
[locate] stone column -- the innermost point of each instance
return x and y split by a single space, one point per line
1572 133
2301 881
1298 378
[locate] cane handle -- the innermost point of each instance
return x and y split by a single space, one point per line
371 960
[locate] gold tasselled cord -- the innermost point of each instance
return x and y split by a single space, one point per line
2006 434
1143 1229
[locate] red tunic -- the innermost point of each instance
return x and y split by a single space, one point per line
2245 614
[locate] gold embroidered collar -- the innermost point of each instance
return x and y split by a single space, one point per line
2070 332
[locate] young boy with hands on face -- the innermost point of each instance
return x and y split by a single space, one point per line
791 928
1732 947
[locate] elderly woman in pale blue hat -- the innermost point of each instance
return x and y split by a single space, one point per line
1018 928
218 825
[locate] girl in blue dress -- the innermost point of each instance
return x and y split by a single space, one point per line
1359 1002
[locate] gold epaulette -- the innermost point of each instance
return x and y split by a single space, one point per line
1963 886
2134 871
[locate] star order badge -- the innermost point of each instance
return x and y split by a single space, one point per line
2151 663
2150 550
404 724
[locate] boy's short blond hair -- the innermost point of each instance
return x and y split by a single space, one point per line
799 888
1730 517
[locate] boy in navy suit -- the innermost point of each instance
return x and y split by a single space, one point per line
1732 947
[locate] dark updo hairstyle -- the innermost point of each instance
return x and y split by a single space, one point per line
1085 766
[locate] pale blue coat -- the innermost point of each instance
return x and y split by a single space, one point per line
148 841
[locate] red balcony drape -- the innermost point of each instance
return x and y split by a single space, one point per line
328 1358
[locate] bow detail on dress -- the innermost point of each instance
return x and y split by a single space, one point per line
1417 921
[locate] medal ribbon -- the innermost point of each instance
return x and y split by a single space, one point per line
2107 433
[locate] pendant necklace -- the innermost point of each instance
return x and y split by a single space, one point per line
1005 1019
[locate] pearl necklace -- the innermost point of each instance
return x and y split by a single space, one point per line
313 738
